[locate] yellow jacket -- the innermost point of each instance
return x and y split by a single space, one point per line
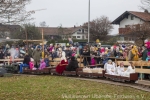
135 54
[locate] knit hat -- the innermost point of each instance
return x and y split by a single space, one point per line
109 60
67 45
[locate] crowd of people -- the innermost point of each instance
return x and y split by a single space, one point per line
92 55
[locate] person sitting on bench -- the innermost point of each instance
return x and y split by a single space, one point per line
120 69
25 62
62 65
110 67
31 64
130 69
73 65
42 64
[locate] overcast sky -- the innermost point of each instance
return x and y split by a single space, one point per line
75 12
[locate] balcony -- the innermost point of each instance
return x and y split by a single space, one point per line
124 30
129 28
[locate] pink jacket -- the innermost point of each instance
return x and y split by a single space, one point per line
42 65
93 61
31 64
50 49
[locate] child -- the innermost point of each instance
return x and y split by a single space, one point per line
130 69
93 62
46 60
31 64
42 64
148 56
120 69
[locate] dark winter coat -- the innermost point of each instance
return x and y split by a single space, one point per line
73 65
144 54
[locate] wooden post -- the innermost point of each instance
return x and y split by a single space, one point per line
26 38
42 44
141 74
80 60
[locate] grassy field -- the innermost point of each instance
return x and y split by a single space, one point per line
63 88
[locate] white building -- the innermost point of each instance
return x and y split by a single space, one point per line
131 18
65 33
80 33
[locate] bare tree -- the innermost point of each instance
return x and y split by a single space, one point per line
43 24
139 32
13 11
99 28
145 4
31 31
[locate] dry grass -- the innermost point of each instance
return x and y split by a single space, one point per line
63 88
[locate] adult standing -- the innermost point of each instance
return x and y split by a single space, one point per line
68 53
144 53
130 54
37 56
1 54
135 53
30 51
86 55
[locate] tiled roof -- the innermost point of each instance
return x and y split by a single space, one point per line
145 16
9 27
142 15
49 30
58 31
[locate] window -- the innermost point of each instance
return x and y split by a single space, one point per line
132 18
127 26
127 17
78 36
82 30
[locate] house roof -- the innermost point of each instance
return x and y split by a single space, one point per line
59 31
49 30
9 27
145 16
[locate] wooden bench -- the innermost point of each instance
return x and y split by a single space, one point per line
133 76
139 66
